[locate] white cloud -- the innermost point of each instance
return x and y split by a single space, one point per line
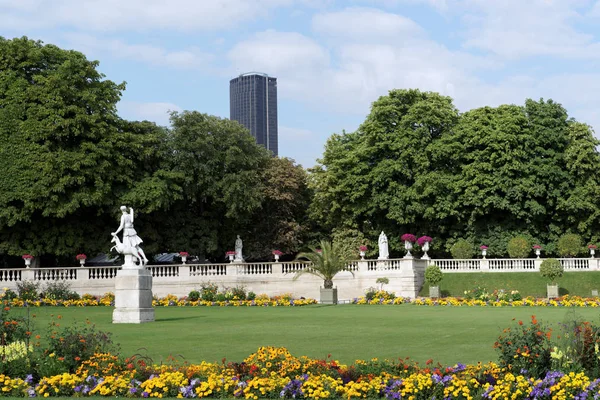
155 112
278 53
138 15
517 29
365 24
190 58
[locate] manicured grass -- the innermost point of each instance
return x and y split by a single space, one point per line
347 332
527 283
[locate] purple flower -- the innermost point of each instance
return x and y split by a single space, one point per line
145 394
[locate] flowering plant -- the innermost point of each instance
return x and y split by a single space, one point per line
277 253
184 253
81 256
537 247
230 253
483 247
592 246
362 248
319 251
423 239
408 237
27 257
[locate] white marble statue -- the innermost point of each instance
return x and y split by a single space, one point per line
238 249
131 241
383 247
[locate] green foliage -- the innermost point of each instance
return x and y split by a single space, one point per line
194 295
66 157
381 282
209 291
59 290
239 292
28 290
251 296
433 275
77 342
518 247
487 175
280 222
12 328
575 346
570 245
525 346
348 240
551 269
462 249
326 263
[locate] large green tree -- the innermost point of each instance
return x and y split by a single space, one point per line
416 165
380 177
222 186
66 157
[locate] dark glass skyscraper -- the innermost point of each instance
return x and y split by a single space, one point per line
253 103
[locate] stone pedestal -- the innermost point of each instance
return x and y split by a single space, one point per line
133 297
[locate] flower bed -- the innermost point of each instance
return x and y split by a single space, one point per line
565 301
275 373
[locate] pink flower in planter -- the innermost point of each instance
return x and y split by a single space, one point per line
184 253
592 246
27 257
230 253
408 237
423 239
277 253
537 247
81 256
483 247
362 248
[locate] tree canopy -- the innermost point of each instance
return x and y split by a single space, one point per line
417 165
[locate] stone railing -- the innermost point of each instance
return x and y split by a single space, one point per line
405 275
514 265
272 278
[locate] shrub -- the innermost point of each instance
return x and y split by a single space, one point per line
28 290
518 247
194 295
77 342
8 295
251 296
525 347
433 275
60 290
551 269
462 249
569 245
382 281
239 292
208 291
370 293
11 328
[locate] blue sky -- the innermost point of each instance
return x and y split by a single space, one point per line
332 58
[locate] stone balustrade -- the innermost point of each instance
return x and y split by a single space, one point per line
405 276
272 278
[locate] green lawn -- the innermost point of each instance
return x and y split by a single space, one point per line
347 332
528 283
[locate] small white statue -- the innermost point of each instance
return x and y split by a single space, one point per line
383 247
238 249
131 241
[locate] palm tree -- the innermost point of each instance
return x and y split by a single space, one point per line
327 262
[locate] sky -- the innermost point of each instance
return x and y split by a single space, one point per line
331 58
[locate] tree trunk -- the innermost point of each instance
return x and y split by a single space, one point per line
328 284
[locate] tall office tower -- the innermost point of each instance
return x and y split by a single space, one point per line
253 103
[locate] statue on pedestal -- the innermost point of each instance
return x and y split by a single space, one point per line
238 249
130 246
383 247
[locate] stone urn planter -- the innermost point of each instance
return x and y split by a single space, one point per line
329 296
552 291
434 291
